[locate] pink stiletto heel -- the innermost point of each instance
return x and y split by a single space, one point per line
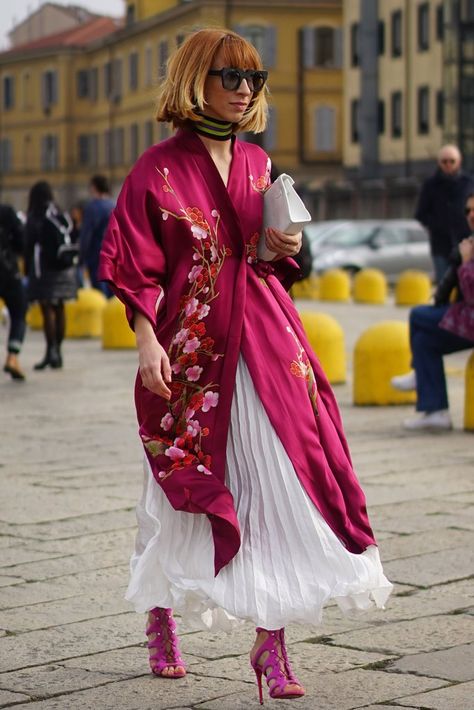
276 668
166 643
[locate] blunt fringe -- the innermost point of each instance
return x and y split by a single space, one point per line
181 97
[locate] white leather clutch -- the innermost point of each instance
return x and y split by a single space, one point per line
284 210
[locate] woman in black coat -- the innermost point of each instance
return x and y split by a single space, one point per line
51 283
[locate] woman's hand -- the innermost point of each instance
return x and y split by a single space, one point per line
282 244
466 248
154 365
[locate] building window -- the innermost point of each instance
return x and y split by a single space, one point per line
325 134
423 110
8 92
440 108
355 45
381 38
148 134
355 120
467 10
397 33
322 47
180 39
134 140
113 80
148 78
49 152
163 133
87 149
6 155
26 99
381 117
440 23
270 134
133 71
107 79
396 106
93 84
263 39
118 146
423 27
130 15
82 84
162 58
49 89
108 148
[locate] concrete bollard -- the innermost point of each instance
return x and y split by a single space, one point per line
413 288
84 316
335 285
326 337
306 289
380 353
116 332
34 317
469 395
370 286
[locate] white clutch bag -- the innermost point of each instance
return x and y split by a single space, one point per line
284 210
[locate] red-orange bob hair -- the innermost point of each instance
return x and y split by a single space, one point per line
181 98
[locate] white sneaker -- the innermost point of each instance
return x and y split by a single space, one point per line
404 383
436 421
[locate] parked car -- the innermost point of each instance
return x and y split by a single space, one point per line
391 245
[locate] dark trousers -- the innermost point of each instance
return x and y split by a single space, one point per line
428 344
14 295
441 265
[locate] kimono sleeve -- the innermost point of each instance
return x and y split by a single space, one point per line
132 260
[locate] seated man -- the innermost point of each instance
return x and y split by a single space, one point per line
436 331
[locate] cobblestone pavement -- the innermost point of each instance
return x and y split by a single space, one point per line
70 473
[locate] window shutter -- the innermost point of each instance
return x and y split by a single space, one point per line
309 47
269 60
338 47
54 87
270 133
325 129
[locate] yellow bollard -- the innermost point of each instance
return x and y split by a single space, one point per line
84 316
335 285
34 317
116 332
326 337
380 353
370 286
469 395
412 288
306 289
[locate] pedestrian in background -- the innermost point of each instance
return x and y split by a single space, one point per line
441 207
95 219
438 330
251 508
50 281
12 290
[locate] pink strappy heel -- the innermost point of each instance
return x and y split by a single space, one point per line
166 643
276 668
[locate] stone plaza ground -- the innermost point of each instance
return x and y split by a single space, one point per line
70 475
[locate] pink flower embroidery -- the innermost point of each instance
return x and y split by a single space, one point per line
191 345
193 427
190 412
175 453
202 311
194 273
210 400
214 253
181 336
203 469
194 373
198 232
176 368
191 306
167 422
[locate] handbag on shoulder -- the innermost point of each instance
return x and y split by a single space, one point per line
283 209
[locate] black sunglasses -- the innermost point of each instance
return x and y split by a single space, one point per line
468 210
232 78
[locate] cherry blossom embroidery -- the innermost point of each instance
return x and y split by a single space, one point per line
190 347
301 367
263 182
251 248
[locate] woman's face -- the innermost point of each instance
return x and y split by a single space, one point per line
224 104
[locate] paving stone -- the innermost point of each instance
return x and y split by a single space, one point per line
145 693
47 681
77 526
101 541
9 580
455 663
8 698
433 568
414 636
341 691
400 546
17 555
455 697
131 661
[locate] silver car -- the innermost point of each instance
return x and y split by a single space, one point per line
391 245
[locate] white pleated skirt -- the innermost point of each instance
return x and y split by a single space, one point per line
290 563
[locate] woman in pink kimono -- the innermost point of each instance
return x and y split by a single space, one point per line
251 509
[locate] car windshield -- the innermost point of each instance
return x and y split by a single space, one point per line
350 235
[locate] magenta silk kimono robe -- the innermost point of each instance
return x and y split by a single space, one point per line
181 250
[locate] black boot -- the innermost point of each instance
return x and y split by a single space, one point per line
45 362
55 359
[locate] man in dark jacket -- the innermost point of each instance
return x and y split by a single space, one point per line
12 290
94 223
441 207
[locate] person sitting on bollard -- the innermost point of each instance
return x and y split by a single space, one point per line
251 508
12 290
436 331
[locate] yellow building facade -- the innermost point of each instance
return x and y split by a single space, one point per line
69 110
